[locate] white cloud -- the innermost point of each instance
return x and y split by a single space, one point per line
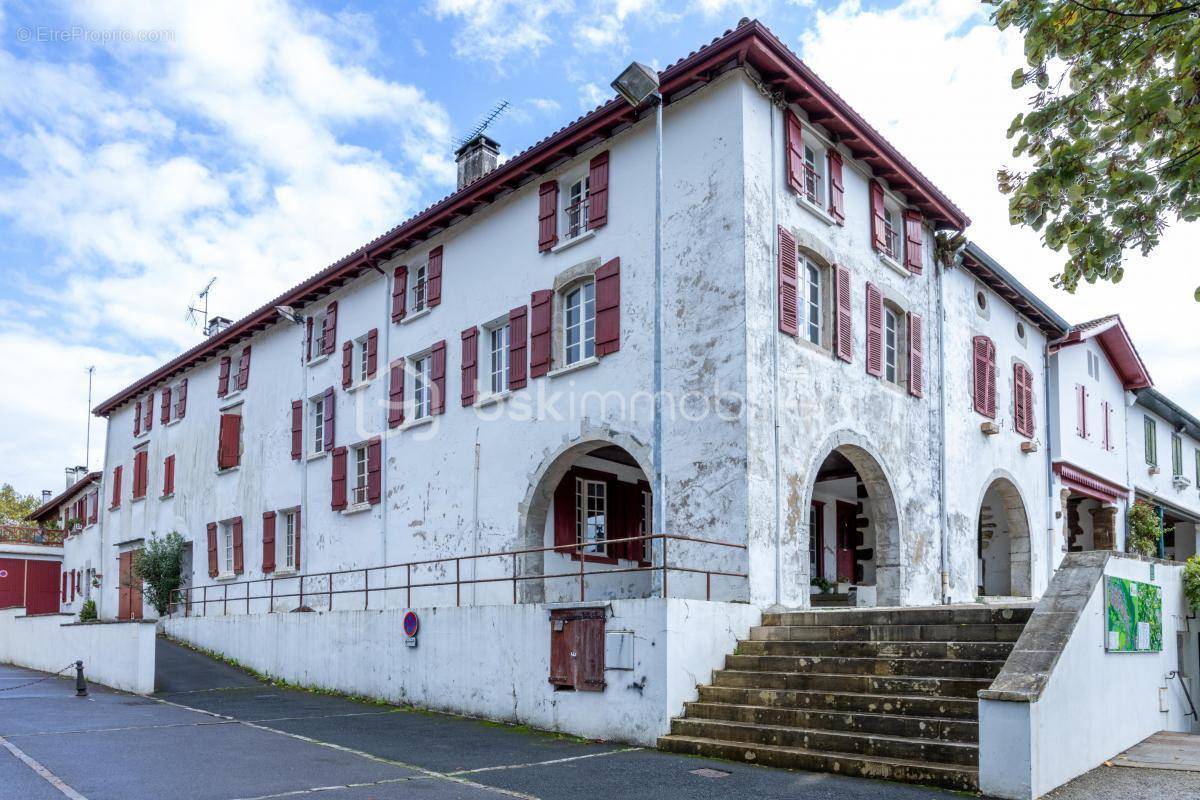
497 30
592 95
544 104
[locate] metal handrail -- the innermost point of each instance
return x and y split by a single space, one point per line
187 597
1176 674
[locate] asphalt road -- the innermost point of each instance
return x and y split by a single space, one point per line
213 733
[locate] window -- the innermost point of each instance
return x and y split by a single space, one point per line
814 180
577 208
226 529
812 301
358 455
648 509
418 277
1151 433
816 538
1093 363
363 358
498 361
1176 455
316 415
316 342
287 548
1198 468
891 345
891 232
579 323
421 386
591 514
229 441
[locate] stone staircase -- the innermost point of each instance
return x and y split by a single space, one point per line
878 693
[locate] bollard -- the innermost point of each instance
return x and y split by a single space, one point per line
80 683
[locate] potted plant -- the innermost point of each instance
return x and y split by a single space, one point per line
87 612
843 584
823 585
1145 530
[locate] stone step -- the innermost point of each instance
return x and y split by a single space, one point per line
910 727
991 651
939 615
841 665
974 632
860 684
961 778
926 750
956 708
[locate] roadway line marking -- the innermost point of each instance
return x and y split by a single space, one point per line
545 763
49 776
229 721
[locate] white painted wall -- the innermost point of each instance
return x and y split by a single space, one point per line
120 655
1095 705
1162 485
677 643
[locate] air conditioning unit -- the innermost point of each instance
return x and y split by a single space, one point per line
1180 482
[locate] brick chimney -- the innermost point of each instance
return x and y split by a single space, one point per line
476 158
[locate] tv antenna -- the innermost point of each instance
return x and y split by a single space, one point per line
484 122
197 314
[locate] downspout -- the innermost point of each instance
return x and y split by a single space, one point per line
475 517
100 518
383 440
944 539
1050 527
773 237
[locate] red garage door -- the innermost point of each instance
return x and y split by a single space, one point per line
41 587
12 582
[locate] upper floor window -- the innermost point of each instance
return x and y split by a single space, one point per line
1093 365
226 533
892 240
497 339
358 455
286 549
422 369
316 417
418 278
229 440
1176 455
812 301
891 344
814 175
362 353
316 343
1150 428
579 323
576 209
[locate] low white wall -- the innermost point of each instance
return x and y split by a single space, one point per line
1095 704
116 654
489 661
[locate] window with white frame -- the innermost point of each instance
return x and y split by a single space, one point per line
176 393
319 320
421 371
316 418
591 515
1150 430
1176 455
1093 364
579 323
417 285
812 300
647 513
891 344
576 208
814 175
358 485
226 544
360 359
497 341
285 545
893 239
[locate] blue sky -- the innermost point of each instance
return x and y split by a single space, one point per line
146 147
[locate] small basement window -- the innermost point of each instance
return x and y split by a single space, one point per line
577 649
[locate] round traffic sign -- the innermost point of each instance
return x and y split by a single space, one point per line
411 624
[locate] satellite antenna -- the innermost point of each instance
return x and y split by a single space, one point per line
197 314
485 121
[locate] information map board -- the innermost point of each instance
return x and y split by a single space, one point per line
1134 618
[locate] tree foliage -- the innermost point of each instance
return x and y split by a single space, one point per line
158 566
1145 529
1113 133
15 507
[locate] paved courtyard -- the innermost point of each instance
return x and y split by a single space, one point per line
215 733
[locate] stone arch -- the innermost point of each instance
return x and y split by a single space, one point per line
885 515
542 481
1001 488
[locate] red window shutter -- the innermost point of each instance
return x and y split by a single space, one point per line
539 332
181 405
564 513
400 293
396 394
347 364
984 358
169 475
598 191
337 477
844 330
297 536
608 307
244 368
239 564
212 549
329 342
372 352
518 347
374 470
437 376
1019 411
916 355
874 330
547 215
72 584
165 414
794 151
1081 396
139 473
94 503
116 488
328 426
297 429
64 587
223 377
308 339
789 311
914 241
470 369
433 281
229 445
268 541
837 192
148 420
137 418
877 217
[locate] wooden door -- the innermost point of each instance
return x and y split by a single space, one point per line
847 514
123 589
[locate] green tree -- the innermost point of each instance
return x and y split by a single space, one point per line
158 567
1113 134
15 507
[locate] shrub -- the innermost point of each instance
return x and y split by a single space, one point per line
1145 529
1191 583
87 612
158 566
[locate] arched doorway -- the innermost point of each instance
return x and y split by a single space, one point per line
586 497
854 545
1004 566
